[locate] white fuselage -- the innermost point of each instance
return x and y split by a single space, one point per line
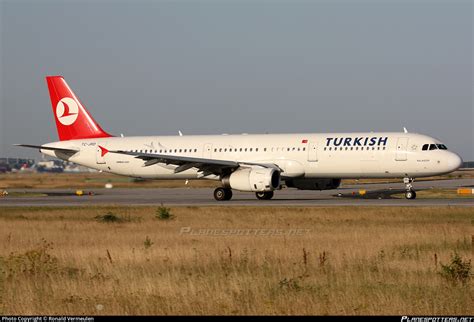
334 155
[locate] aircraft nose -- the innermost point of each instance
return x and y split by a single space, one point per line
454 161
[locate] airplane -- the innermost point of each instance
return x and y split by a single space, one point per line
261 163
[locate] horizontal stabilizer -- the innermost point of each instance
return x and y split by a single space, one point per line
40 147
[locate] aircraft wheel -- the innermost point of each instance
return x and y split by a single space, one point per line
228 194
266 195
222 194
410 194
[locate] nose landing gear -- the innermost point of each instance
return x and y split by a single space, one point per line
410 192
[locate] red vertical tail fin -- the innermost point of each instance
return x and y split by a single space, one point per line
72 119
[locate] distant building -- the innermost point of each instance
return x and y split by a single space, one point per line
14 164
45 165
468 165
55 166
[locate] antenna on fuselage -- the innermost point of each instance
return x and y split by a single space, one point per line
180 134
405 130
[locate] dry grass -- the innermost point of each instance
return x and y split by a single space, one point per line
437 194
25 180
464 174
351 261
29 180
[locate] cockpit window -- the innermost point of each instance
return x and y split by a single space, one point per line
441 146
433 147
425 147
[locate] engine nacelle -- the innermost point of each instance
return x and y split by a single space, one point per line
253 179
314 184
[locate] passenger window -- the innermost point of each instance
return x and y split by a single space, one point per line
433 147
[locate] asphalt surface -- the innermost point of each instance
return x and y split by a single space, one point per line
377 195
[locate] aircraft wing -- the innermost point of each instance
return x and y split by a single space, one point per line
205 166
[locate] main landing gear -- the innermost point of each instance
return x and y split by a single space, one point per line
410 192
224 194
265 195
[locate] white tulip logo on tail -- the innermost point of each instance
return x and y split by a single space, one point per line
67 111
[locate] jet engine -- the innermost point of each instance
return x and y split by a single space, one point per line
253 179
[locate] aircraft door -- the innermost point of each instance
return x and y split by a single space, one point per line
312 152
207 151
100 154
401 152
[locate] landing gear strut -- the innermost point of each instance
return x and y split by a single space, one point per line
222 194
410 192
264 195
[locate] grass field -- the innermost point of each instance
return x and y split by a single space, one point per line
284 260
26 180
437 194
29 180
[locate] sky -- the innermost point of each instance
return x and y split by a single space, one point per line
211 67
